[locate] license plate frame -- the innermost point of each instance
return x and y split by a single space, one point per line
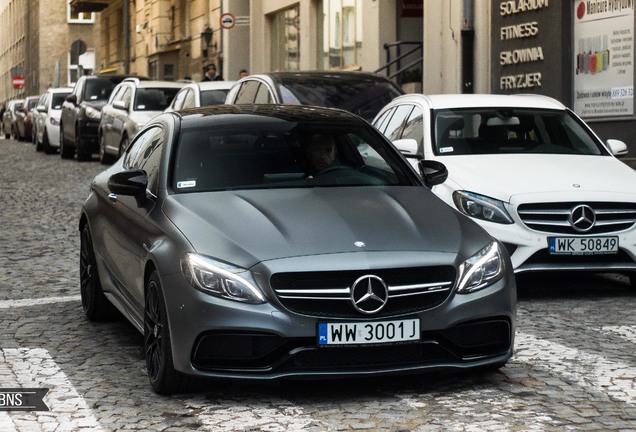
368 333
597 245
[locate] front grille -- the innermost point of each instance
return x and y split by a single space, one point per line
323 294
555 218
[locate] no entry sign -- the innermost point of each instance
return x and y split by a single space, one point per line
18 81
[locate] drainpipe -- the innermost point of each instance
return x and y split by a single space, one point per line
468 48
126 22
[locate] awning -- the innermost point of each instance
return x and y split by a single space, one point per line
78 6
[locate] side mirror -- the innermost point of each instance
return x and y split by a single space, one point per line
408 147
41 108
131 183
72 99
120 105
433 172
617 147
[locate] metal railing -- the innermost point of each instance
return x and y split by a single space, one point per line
395 67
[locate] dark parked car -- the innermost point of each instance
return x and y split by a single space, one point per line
81 112
24 119
235 259
361 93
9 118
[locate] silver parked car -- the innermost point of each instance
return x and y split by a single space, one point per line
197 94
271 241
47 119
131 104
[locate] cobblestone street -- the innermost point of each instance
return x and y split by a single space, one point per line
574 367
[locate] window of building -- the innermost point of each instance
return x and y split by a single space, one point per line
79 17
341 35
286 33
83 64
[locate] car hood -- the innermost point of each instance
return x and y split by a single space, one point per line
251 226
504 176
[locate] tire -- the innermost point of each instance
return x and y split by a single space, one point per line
83 155
632 279
46 144
95 304
104 158
38 146
66 152
164 379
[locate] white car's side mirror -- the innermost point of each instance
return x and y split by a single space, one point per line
617 147
408 147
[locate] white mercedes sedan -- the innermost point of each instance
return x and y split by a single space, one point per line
530 171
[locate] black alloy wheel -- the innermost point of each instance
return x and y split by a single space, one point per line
83 154
46 145
164 379
95 304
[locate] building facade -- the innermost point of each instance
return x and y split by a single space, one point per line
45 43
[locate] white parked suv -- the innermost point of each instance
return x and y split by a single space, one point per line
47 119
530 171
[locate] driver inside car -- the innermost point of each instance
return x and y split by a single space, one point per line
320 154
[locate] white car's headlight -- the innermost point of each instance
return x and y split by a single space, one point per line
93 113
220 279
481 207
54 121
482 269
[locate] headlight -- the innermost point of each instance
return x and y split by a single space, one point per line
93 113
482 269
54 121
481 207
220 279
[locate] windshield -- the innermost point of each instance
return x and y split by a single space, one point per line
510 130
364 98
58 100
154 99
98 89
213 97
290 156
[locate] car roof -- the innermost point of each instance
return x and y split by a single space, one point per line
213 85
305 76
59 90
304 113
448 101
159 83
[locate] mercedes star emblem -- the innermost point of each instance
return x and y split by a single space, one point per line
369 294
582 218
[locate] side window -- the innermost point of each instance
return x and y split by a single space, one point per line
126 96
414 128
115 95
262 95
148 157
178 100
380 124
394 127
188 102
247 92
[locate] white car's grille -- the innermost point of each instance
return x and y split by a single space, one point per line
578 218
